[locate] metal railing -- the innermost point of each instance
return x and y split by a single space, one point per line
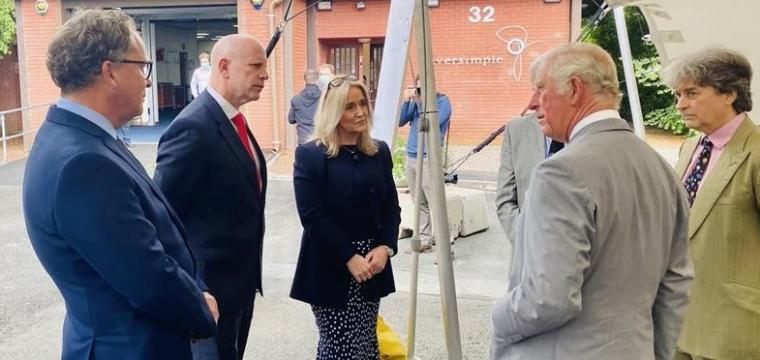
3 127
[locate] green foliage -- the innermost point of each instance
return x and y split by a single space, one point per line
656 99
399 159
7 26
662 112
605 35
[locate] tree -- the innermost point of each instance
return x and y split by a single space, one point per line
605 35
7 27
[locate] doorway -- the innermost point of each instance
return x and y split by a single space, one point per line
174 37
349 57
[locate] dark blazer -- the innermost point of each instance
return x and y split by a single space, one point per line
324 196
113 246
210 181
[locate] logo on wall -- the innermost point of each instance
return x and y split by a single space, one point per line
41 7
515 38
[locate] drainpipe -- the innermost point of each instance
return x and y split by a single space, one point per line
273 77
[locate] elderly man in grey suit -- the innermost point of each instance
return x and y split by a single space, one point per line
600 268
523 148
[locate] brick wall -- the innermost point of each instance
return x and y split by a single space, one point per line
10 97
259 113
36 33
483 96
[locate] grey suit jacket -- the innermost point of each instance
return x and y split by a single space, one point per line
600 269
523 148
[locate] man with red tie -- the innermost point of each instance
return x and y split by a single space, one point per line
214 175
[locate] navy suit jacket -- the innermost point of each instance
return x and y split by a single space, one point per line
113 246
210 181
325 199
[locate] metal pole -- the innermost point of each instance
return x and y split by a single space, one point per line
415 245
5 141
630 78
439 215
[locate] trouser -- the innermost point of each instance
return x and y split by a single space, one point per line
230 340
410 171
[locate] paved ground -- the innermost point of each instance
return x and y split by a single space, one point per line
31 309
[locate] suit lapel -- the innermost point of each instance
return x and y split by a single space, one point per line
730 159
230 136
262 164
538 141
688 147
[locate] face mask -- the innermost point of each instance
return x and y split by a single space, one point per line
206 66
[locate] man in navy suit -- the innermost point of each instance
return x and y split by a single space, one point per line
101 228
214 174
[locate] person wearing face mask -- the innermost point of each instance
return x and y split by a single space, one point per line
199 82
326 72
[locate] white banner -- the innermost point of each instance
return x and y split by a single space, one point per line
390 86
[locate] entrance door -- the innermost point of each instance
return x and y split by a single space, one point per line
345 58
350 59
147 31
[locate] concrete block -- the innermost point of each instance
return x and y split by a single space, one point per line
474 209
467 211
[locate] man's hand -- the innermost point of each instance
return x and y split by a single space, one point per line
411 93
212 306
359 268
377 259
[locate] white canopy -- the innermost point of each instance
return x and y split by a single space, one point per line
684 26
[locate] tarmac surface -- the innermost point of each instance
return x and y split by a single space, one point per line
32 310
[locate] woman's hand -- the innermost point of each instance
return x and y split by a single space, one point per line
377 259
359 268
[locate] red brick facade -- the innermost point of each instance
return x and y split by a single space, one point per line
34 35
474 66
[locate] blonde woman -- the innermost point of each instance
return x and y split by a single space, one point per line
348 206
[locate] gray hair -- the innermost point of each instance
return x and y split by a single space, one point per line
79 47
724 70
311 76
589 62
324 68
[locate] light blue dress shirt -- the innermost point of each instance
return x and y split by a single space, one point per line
87 113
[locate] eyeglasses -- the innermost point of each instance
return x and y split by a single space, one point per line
147 66
338 81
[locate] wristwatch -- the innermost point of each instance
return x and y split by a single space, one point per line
390 251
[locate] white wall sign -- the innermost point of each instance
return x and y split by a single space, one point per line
479 14
515 39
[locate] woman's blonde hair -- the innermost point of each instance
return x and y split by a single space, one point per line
331 106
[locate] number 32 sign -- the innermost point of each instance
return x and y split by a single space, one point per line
481 14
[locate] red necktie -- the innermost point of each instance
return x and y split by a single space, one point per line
242 131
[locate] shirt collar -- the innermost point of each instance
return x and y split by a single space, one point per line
592 118
87 113
228 109
720 137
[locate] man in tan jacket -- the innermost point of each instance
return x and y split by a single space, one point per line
721 172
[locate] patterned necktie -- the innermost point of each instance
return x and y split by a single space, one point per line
554 147
242 130
695 177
